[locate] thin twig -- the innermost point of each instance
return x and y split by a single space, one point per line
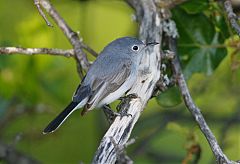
195 111
37 4
233 18
228 124
72 36
36 51
89 49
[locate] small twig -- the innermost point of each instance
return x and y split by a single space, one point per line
36 51
193 151
89 49
84 46
195 111
228 124
233 19
37 4
72 36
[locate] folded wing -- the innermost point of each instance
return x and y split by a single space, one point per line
105 85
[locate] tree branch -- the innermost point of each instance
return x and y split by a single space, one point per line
121 128
36 51
37 4
233 18
72 36
194 110
89 49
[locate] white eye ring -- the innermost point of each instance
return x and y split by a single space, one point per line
135 48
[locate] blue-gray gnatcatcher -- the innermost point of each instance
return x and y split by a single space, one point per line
111 75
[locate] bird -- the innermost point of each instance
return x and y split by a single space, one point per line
110 76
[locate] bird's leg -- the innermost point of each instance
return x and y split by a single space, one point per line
121 108
128 98
124 104
109 113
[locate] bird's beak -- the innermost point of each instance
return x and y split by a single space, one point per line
152 43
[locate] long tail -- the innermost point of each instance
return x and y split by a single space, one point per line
52 126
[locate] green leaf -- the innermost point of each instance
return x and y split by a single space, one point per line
195 6
169 98
217 15
200 45
221 25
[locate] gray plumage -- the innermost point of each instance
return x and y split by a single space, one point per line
111 75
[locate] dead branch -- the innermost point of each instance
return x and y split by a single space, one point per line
221 158
120 130
37 4
233 18
72 36
35 51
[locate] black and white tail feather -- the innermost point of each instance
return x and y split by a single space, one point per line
54 124
79 100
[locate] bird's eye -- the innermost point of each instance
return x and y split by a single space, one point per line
135 48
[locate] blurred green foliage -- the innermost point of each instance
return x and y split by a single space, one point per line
34 89
200 42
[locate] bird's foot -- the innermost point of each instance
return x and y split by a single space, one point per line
124 113
121 108
110 114
124 104
129 97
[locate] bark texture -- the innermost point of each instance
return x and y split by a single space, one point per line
119 132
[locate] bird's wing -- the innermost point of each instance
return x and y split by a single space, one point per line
103 86
81 93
